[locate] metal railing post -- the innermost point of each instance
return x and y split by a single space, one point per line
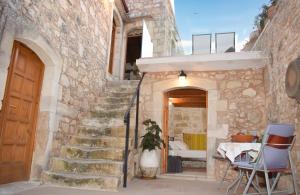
127 122
126 150
137 120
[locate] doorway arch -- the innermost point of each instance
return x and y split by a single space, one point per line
19 113
47 122
176 103
214 130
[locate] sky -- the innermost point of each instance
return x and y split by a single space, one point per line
213 16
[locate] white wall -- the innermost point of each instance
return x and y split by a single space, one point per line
147 45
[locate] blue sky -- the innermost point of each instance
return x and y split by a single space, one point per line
211 16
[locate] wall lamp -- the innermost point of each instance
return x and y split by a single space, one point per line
182 76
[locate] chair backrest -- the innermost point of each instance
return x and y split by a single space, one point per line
277 143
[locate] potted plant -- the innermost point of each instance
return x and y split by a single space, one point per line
151 143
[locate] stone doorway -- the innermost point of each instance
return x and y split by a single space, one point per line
19 114
153 94
48 116
185 131
133 52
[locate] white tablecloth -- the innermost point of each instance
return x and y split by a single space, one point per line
231 149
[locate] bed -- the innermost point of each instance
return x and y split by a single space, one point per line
178 148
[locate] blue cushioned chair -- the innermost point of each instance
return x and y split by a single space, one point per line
274 157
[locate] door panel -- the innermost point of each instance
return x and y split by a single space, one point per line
19 114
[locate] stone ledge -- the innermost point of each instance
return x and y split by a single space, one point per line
208 62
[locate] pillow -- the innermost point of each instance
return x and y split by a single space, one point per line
181 145
173 146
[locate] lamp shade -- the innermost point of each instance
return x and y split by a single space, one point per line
182 75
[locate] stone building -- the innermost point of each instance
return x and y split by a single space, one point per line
64 67
239 98
82 48
280 41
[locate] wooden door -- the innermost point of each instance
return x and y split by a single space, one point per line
112 48
19 114
164 153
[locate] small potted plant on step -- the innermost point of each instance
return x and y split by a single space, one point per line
151 143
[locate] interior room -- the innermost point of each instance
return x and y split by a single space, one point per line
187 127
133 52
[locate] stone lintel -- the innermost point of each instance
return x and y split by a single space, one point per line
208 62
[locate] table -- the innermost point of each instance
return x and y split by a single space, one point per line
233 149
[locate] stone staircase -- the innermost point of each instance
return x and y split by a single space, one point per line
94 157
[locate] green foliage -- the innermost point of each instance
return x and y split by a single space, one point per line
260 19
273 2
151 140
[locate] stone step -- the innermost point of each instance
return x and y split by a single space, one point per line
102 122
107 114
88 167
91 131
118 131
112 114
114 100
119 94
120 90
103 141
110 107
79 152
110 183
122 84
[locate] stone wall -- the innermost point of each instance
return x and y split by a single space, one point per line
160 19
236 102
280 40
77 33
186 120
240 95
72 38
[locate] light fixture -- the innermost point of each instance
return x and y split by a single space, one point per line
170 102
182 76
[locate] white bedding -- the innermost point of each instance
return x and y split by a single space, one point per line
198 154
178 148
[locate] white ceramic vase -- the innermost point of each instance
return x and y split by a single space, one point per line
149 163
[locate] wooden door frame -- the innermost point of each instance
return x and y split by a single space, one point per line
13 59
112 47
165 131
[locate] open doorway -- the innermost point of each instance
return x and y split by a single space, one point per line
185 131
133 52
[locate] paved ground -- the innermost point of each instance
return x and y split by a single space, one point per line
136 187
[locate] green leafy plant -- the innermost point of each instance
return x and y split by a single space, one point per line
151 140
273 2
260 19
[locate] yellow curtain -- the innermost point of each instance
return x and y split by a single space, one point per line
195 141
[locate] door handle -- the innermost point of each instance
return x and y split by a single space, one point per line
13 106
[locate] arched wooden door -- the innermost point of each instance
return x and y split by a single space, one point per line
19 114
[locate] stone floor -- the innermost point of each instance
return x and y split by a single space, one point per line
13 188
137 186
160 186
